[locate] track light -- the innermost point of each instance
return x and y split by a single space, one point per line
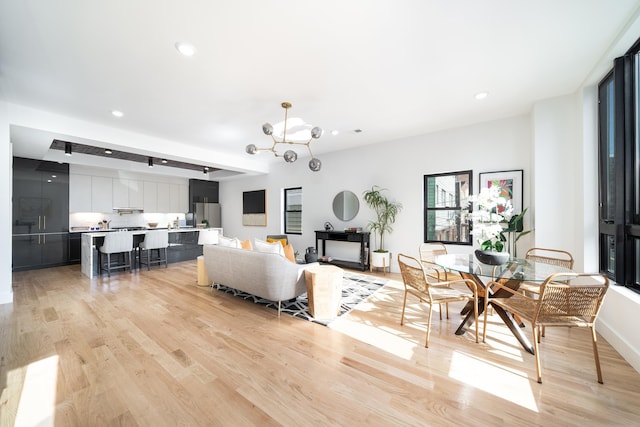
67 148
150 162
205 170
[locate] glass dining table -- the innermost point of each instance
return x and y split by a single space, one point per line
511 274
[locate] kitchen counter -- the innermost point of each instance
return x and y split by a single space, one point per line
182 245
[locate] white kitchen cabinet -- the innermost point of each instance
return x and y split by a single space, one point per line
120 193
136 193
127 193
179 198
101 194
164 198
79 193
150 197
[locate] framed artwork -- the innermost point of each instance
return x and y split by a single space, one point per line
254 208
510 183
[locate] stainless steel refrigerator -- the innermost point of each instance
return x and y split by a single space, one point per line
209 212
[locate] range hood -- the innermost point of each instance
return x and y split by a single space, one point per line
122 211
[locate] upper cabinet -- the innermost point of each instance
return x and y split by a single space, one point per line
201 191
127 193
40 196
150 201
102 194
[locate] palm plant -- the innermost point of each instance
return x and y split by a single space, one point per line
386 212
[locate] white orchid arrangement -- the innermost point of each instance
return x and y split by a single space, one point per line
491 211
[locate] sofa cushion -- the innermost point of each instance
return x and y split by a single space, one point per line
229 242
271 248
283 242
289 253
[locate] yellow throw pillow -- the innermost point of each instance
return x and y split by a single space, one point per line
289 253
283 242
246 244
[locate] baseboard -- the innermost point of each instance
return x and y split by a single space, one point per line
6 297
614 323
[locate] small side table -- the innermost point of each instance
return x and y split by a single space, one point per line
324 290
203 277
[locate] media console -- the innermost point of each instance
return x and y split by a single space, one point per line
342 236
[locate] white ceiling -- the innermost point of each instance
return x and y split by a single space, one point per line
393 68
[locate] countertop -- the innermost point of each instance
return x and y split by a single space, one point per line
172 230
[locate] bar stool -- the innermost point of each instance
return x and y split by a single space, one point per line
116 242
154 240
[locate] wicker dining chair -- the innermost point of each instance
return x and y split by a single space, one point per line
418 283
428 252
557 257
565 299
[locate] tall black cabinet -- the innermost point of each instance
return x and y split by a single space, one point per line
40 213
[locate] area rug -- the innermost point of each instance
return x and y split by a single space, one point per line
355 289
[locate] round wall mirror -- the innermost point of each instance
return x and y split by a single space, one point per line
346 205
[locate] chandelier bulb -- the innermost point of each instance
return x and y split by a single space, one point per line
290 156
315 164
251 149
316 132
267 129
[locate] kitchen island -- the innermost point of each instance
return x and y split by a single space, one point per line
183 246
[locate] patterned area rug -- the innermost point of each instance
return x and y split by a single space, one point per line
355 289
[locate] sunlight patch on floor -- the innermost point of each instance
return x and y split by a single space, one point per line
38 397
377 337
510 385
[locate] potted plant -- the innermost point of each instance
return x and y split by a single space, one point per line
492 210
386 212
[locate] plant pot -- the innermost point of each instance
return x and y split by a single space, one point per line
380 259
492 257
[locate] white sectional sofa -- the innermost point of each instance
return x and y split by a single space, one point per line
266 275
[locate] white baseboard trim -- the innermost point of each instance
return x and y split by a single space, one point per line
6 297
613 324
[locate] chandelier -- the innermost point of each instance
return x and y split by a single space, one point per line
289 156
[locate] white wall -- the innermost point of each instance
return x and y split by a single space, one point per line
398 166
6 168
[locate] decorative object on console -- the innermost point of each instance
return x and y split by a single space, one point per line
328 226
300 130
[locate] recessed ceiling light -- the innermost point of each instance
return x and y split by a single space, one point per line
164 161
117 113
187 49
335 132
481 95
108 151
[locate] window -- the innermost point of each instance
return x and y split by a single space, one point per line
619 170
293 210
446 197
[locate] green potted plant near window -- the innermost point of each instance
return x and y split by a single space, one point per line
386 212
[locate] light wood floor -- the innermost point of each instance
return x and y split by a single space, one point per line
152 349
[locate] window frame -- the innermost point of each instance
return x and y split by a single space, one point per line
464 209
287 211
618 167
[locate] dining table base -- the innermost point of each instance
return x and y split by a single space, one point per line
506 317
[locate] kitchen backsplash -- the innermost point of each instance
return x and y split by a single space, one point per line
84 220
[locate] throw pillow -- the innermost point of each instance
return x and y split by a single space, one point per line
289 253
283 242
246 244
229 242
272 248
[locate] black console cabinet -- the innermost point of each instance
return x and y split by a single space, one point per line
361 238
